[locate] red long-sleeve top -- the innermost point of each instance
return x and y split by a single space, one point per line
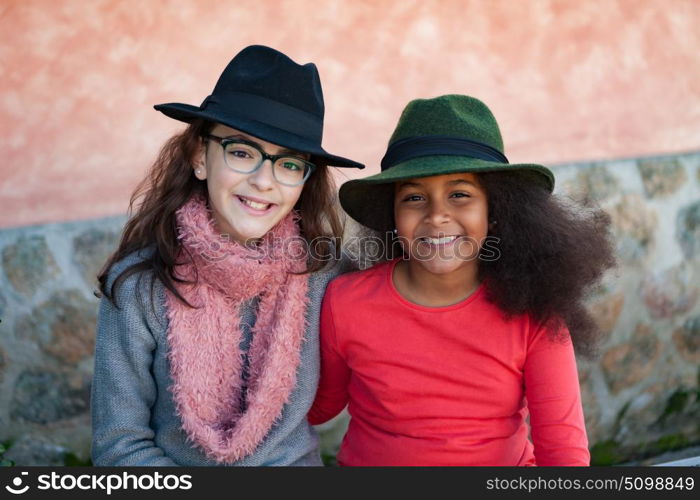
444 385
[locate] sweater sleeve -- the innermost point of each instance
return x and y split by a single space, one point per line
554 401
332 393
123 388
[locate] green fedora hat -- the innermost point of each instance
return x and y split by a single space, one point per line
444 135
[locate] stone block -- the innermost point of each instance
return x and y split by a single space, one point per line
63 326
671 292
91 250
43 396
624 365
29 264
595 183
606 311
661 176
634 227
33 451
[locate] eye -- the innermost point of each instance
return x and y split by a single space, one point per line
239 152
292 164
460 195
413 197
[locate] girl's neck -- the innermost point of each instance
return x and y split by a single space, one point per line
420 286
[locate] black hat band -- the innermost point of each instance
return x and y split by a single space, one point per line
442 145
277 114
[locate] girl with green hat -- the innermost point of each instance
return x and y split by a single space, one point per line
443 353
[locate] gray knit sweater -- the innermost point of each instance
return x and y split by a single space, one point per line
134 421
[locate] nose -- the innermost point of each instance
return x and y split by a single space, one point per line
262 179
437 213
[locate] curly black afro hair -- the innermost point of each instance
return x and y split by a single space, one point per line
552 252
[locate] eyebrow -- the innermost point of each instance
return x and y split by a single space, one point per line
283 151
461 181
450 183
408 184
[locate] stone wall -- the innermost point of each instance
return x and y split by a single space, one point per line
641 396
47 337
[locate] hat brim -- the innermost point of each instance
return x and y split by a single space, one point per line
187 113
370 201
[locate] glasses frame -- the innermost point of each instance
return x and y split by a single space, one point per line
225 141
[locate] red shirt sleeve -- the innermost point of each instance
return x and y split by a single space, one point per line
554 401
332 394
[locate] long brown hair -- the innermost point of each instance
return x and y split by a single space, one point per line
170 183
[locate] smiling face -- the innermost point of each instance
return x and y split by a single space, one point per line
441 221
244 206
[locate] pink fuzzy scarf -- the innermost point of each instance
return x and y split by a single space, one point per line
204 343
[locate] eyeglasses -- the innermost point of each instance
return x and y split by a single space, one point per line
246 157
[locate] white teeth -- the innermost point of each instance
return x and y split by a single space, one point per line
254 204
439 241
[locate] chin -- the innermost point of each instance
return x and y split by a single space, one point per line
255 235
442 266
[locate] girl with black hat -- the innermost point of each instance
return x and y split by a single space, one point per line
207 336
443 353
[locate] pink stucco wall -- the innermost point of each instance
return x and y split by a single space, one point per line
567 80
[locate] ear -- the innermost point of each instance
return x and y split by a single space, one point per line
199 161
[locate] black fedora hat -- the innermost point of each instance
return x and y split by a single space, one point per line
264 93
